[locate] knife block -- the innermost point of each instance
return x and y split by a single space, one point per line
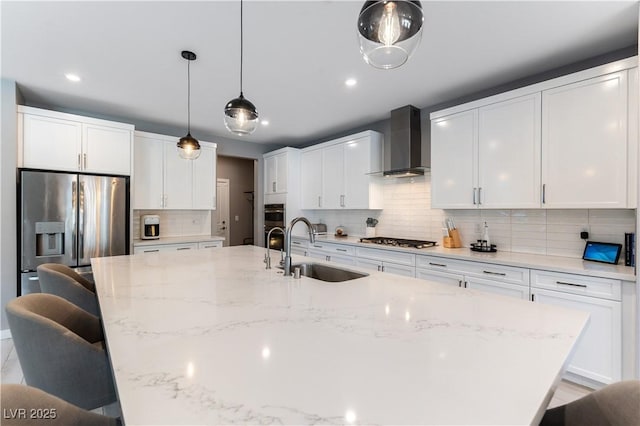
453 240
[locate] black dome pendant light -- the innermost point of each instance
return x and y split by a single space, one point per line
188 146
240 115
389 31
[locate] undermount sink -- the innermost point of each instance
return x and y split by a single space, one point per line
326 273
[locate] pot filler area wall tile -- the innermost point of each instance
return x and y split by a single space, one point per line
176 223
407 214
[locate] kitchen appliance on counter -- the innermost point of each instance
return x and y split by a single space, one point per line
274 215
319 228
399 242
149 227
69 218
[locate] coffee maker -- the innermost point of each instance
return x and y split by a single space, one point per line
149 227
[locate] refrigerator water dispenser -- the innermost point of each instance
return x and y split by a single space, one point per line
49 238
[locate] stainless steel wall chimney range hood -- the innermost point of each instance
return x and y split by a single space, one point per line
405 146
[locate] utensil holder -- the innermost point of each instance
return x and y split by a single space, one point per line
447 242
370 231
453 240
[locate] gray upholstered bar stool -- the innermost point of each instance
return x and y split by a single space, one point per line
61 349
615 404
65 282
28 406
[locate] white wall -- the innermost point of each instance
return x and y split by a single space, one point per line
8 224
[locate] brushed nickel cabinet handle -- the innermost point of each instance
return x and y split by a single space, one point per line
438 264
571 284
502 274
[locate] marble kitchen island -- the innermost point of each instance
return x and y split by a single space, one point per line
211 337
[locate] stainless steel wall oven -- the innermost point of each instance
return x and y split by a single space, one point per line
274 215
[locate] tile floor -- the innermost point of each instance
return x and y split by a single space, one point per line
12 373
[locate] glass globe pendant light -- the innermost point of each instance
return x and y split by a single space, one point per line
188 146
389 31
240 115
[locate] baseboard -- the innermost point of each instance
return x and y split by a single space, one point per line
5 334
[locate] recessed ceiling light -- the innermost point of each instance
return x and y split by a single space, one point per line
351 82
264 122
72 77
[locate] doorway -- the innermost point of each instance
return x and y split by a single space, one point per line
221 223
238 173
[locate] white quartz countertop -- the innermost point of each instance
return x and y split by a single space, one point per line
211 337
177 240
522 260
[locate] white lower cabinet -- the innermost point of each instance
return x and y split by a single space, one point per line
338 253
299 247
499 279
598 355
392 262
382 266
497 287
448 278
209 245
156 248
164 248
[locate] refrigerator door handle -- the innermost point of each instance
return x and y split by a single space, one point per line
81 220
74 213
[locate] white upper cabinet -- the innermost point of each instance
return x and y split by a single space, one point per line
632 164
453 161
570 142
276 173
107 149
204 179
163 180
335 174
333 183
178 179
488 157
311 177
509 153
58 141
584 143
148 167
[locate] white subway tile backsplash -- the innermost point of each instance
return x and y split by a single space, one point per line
407 214
177 223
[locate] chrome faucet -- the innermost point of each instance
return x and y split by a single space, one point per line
287 241
267 254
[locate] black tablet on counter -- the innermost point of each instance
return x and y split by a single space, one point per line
602 252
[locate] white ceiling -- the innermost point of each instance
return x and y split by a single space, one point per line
297 57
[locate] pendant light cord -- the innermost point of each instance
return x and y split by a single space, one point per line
241 47
189 96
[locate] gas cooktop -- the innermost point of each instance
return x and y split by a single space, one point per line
398 242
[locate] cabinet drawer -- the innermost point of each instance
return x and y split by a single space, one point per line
577 284
209 244
441 264
507 274
333 248
165 247
408 259
299 243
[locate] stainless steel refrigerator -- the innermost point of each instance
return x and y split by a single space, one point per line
69 218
